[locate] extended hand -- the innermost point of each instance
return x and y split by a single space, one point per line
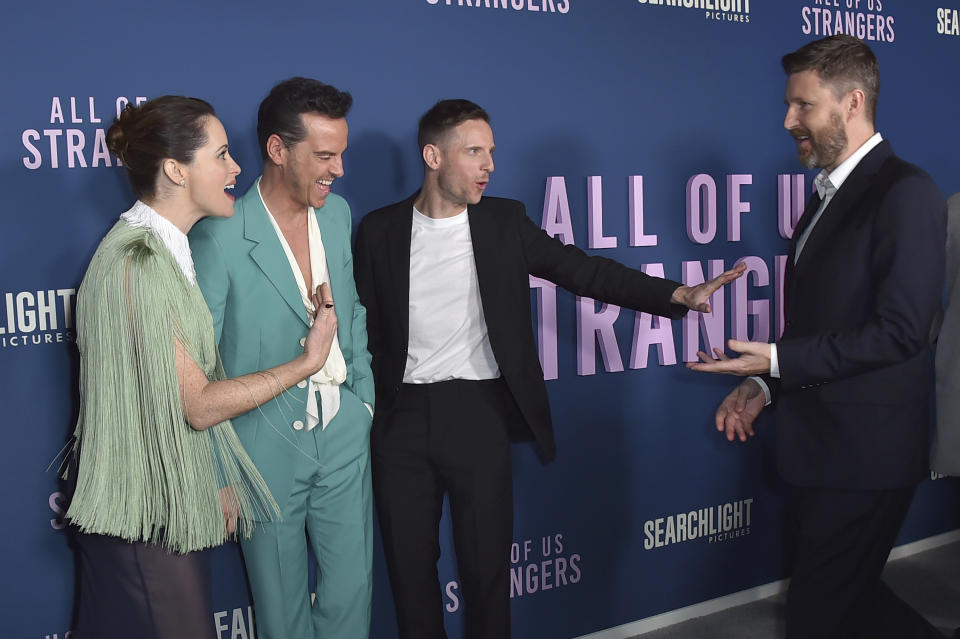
739 409
754 359
697 298
320 337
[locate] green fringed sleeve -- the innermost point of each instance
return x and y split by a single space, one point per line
144 473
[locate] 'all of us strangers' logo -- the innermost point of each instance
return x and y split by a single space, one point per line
537 565
73 133
509 6
864 19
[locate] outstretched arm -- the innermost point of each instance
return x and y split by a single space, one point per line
610 281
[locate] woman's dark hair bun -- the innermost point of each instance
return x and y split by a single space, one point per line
117 136
144 135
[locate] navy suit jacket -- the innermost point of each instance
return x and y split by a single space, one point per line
852 403
507 248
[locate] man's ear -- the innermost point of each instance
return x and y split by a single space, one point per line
431 156
276 149
856 103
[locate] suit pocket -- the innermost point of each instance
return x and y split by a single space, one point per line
348 396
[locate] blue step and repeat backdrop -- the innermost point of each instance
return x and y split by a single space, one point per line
649 132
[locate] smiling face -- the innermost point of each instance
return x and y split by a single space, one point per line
465 163
814 119
310 166
212 173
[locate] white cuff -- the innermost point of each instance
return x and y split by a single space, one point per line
763 386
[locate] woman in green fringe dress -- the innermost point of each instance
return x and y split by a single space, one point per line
161 474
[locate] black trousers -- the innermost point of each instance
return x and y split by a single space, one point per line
133 589
842 540
447 438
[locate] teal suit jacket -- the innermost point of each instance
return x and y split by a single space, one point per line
260 320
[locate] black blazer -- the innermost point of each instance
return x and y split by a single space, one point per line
853 398
507 248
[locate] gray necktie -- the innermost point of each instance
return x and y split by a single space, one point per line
826 190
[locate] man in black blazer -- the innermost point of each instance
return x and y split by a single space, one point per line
850 378
444 276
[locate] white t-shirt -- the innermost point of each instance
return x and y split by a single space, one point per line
448 334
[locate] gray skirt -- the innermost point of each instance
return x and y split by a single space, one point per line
134 589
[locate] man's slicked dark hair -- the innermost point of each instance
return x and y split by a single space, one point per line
446 115
280 111
843 62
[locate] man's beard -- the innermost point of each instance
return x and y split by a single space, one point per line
825 146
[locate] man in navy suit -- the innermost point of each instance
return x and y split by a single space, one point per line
850 379
444 276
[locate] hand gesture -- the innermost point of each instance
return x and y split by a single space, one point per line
696 298
754 359
739 409
320 337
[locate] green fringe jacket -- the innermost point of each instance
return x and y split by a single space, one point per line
144 474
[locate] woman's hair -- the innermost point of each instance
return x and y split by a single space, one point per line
144 136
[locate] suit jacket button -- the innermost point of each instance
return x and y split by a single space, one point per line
302 383
298 425
303 341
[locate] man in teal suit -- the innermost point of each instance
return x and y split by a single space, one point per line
258 271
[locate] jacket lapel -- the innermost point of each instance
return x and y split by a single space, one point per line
397 243
845 199
482 236
812 205
268 252
487 240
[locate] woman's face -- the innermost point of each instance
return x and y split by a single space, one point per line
213 173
